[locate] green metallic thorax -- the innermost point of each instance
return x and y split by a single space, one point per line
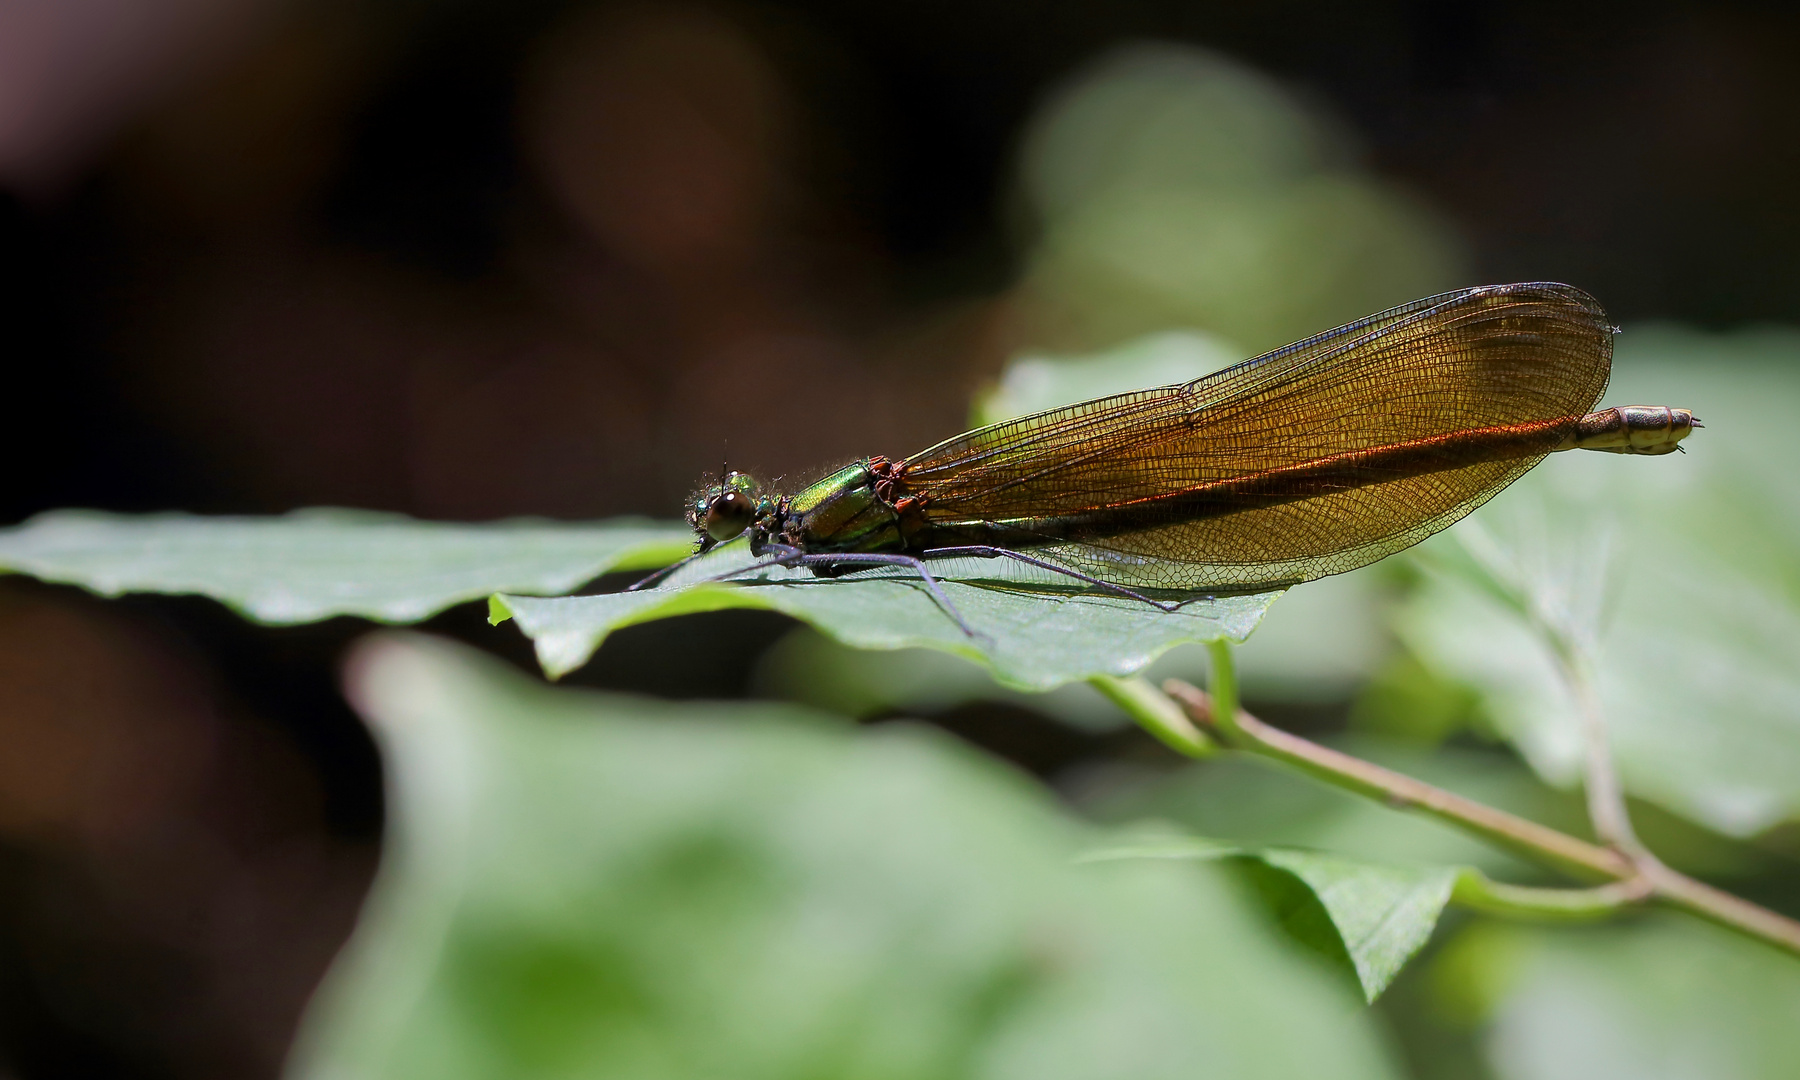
840 513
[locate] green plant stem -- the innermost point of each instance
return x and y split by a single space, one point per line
1156 713
1605 795
1223 673
1641 880
1477 891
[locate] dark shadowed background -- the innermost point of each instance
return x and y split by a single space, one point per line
472 259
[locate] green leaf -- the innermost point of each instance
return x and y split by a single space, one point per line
314 564
1683 571
1030 637
807 667
1382 914
584 885
1375 918
1663 997
1310 648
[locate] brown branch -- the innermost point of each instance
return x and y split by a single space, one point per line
1647 878
1401 792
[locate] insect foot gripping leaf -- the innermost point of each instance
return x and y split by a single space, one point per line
577 884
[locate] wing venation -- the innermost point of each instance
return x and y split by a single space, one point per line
1487 357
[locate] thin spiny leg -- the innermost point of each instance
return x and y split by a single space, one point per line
657 578
985 551
787 558
784 556
874 559
663 575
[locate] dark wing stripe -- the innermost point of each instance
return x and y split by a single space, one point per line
1491 357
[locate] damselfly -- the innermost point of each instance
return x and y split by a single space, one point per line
1310 460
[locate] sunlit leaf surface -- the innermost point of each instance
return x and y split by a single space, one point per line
1030 636
1684 569
314 564
1376 917
582 885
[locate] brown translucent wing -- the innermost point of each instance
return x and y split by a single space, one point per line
1488 357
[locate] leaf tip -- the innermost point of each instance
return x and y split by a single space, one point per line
498 612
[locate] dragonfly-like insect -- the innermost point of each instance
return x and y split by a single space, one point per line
1311 460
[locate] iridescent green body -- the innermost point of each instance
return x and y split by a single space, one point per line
843 513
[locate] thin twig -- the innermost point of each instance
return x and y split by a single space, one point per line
1649 880
1605 795
1571 644
1475 890
1398 791
1612 819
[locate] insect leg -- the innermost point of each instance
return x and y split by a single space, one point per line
652 580
877 559
984 551
779 560
783 556
658 577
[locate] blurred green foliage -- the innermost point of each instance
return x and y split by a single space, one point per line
1662 997
1170 187
577 884
1683 572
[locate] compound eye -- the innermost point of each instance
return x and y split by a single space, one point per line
729 514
